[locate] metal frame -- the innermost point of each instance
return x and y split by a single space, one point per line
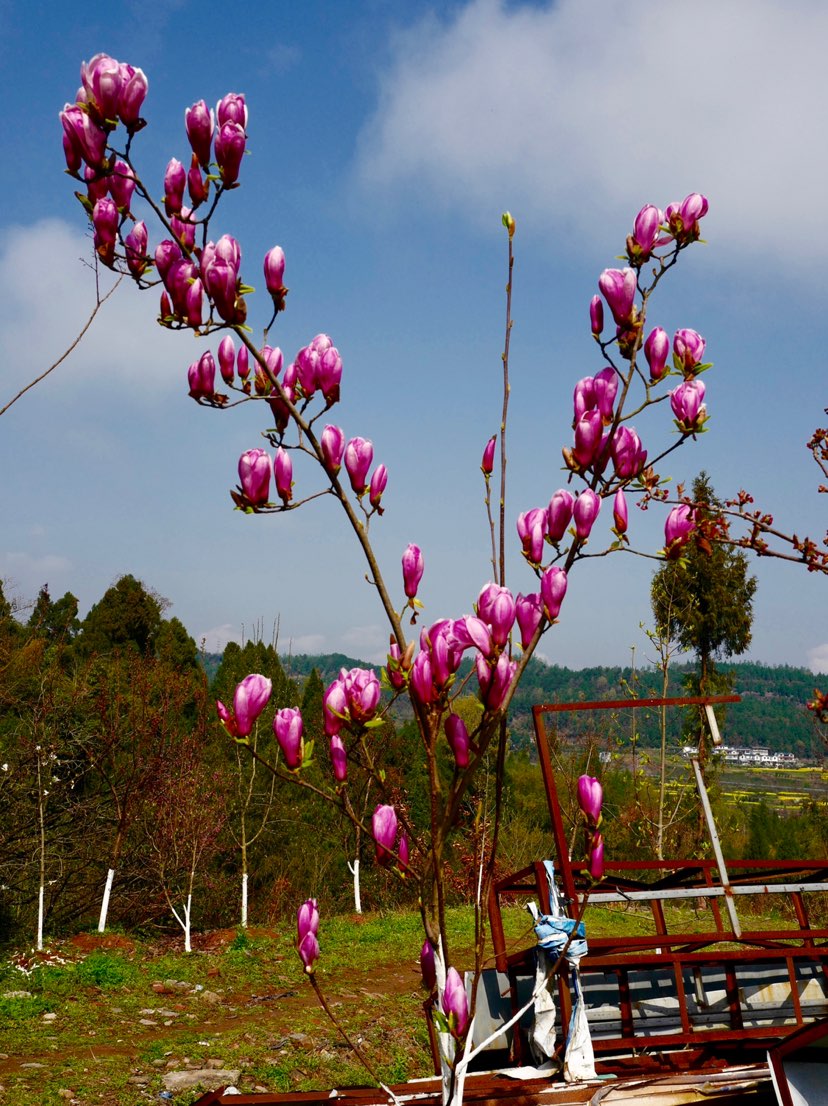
682 961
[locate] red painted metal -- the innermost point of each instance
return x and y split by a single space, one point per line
683 955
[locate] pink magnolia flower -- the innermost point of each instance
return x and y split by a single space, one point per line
135 245
596 857
588 438
197 185
283 471
359 453
585 512
458 739
618 287
254 476
402 853
688 350
529 612
377 485
683 218
384 831
627 453
105 220
243 363
309 952
559 514
332 446
455 1003
334 707
199 123
553 590
496 606
487 464
590 798
166 254
307 928
232 109
249 700
427 966
202 380
84 140
645 233
329 374
339 759
289 728
531 528
274 271
496 680
619 512
421 679
227 358
605 384
687 402
413 566
362 693
134 87
656 349
122 185
680 524
101 79
596 316
230 145
175 181
583 398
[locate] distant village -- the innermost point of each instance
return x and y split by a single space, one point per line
751 755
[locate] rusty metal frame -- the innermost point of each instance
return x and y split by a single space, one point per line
722 948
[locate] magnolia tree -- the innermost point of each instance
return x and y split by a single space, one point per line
201 278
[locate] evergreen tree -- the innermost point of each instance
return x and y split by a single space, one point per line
127 617
55 620
704 602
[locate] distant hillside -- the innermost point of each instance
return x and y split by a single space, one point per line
772 713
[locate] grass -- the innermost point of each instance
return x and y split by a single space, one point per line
247 1005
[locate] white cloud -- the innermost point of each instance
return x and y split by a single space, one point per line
307 643
216 639
46 295
573 113
818 658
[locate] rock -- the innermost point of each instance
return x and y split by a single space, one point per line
138 1080
49 1017
178 985
216 1065
211 998
32 1065
17 994
211 1078
148 1022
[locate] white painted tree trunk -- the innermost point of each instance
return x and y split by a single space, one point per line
354 870
244 901
184 922
110 876
40 898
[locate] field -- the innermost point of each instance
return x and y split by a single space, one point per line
111 1020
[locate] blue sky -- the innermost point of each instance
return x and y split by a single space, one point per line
386 140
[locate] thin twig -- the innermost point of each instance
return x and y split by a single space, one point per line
66 352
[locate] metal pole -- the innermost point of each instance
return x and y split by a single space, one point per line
717 848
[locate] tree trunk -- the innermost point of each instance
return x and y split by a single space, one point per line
110 876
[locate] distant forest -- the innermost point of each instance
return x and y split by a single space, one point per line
771 714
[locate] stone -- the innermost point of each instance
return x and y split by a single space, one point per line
211 1078
17 994
211 998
